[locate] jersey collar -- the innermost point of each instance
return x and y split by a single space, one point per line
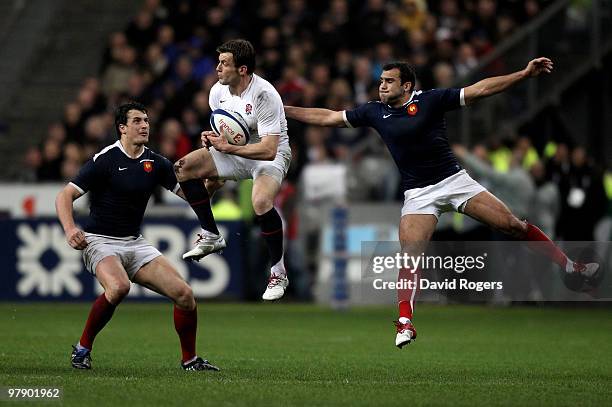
118 144
405 104
410 100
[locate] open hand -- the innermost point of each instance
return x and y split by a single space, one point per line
537 66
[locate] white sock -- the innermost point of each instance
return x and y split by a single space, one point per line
278 270
569 266
404 320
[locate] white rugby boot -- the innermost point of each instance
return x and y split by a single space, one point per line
276 287
206 244
405 333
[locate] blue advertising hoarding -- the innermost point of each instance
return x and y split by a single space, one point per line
38 264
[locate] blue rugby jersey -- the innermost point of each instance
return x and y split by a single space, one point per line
120 188
415 134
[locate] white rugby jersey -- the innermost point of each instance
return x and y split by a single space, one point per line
260 105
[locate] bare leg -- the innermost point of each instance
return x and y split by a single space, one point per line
486 208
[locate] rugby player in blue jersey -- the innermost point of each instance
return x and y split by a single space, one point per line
120 180
411 123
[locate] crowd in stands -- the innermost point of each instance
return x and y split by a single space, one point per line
316 53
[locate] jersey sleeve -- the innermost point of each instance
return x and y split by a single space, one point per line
167 177
213 97
269 111
88 176
448 99
360 116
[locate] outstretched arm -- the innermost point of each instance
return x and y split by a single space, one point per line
318 117
497 84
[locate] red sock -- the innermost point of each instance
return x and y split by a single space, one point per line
406 296
543 245
186 324
101 312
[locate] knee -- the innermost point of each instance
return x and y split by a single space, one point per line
180 170
117 291
514 227
184 297
261 204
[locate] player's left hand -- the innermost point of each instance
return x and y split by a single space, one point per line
537 66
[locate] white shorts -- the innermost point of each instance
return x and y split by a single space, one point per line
450 194
235 168
133 252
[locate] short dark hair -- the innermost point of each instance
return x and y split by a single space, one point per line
122 111
406 71
242 51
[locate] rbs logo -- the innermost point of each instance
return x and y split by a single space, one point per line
49 267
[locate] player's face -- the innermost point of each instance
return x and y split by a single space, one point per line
137 128
391 90
227 72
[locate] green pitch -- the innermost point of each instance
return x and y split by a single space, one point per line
279 355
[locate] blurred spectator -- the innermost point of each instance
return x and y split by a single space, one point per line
73 123
172 132
50 168
291 86
193 127
72 161
32 160
141 30
97 134
116 41
546 204
413 15
340 96
165 39
363 82
373 22
116 75
465 60
586 200
57 132
156 61
444 76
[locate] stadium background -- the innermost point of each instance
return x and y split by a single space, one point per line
544 147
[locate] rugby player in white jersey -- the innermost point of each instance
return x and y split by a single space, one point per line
265 159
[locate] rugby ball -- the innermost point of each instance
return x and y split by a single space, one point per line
230 125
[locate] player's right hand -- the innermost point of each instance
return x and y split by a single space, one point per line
76 239
204 136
